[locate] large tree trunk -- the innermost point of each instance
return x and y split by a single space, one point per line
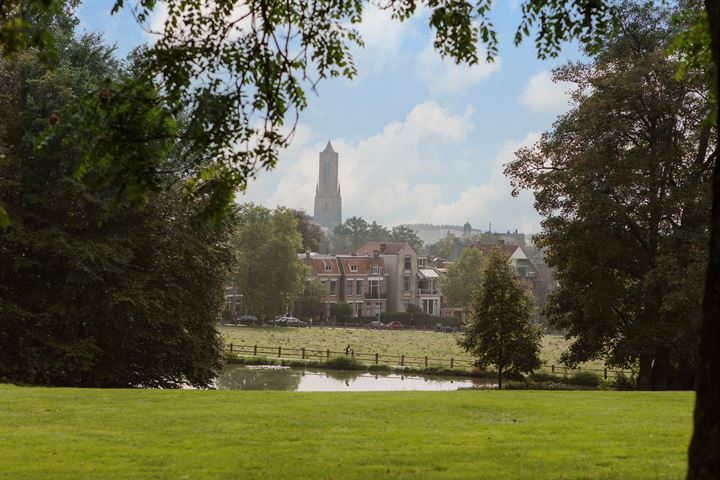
704 453
644 381
661 370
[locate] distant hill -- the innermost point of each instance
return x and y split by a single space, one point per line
430 233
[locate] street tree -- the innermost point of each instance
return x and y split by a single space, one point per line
311 233
269 274
500 332
464 277
310 303
623 186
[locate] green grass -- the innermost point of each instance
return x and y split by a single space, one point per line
132 434
411 343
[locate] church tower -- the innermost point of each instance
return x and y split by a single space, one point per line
328 204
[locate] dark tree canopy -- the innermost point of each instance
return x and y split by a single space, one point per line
92 292
623 185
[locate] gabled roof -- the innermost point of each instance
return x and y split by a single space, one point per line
505 249
384 248
363 264
318 262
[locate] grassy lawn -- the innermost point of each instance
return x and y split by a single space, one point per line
408 342
131 434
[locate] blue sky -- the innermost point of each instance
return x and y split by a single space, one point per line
420 139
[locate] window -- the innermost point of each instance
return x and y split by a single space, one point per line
349 287
374 289
333 288
408 262
353 268
359 287
328 267
422 261
375 269
359 309
406 284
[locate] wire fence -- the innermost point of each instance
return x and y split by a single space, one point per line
451 362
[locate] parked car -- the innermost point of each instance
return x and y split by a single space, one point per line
377 324
439 327
294 322
277 321
394 326
246 320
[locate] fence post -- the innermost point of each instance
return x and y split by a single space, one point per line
402 360
328 355
425 361
376 358
452 363
231 346
255 351
605 373
280 351
552 368
303 353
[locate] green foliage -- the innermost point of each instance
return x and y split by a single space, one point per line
95 293
500 332
341 310
345 362
533 385
269 273
405 234
312 234
413 309
623 185
309 305
464 277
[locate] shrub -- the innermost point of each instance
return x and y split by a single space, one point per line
590 379
344 363
530 385
624 382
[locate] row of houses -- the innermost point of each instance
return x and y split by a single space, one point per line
390 276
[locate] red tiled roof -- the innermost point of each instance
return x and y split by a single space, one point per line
318 265
363 263
385 248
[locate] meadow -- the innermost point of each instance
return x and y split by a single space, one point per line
412 343
65 433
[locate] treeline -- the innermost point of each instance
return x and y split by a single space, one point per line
355 231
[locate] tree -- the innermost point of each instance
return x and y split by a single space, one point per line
269 273
444 247
94 293
500 332
405 234
310 303
460 26
312 233
463 278
341 310
623 185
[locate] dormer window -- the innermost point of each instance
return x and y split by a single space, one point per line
422 261
353 268
375 269
328 267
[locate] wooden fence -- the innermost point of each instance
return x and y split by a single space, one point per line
394 359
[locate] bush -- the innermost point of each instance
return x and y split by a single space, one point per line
530 385
624 382
344 363
589 379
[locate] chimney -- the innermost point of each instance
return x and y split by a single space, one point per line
383 246
376 254
307 254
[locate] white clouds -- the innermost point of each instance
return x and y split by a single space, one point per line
396 175
446 76
543 95
383 37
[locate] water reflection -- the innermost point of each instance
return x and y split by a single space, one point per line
238 377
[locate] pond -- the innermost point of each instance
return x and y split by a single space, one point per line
238 377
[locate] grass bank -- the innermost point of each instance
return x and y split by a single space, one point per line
130 434
385 342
